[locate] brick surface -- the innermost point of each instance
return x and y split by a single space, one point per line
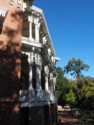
10 64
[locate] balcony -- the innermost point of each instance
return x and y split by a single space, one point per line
30 43
34 96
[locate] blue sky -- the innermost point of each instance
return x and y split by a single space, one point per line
71 25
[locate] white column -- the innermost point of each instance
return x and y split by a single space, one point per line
30 19
38 77
51 77
37 28
54 83
46 83
36 33
30 78
30 31
46 78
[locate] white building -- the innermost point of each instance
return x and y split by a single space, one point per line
38 78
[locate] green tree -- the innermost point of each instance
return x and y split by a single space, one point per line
62 86
71 98
86 94
75 67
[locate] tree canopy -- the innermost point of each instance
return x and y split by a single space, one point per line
75 67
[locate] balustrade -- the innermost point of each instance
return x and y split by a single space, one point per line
34 96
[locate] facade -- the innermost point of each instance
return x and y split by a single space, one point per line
27 72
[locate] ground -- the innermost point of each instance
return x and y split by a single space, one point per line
65 118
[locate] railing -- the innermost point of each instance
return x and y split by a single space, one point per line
42 95
34 95
30 43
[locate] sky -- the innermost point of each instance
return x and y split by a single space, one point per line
71 26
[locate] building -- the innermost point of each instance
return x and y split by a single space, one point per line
11 15
27 73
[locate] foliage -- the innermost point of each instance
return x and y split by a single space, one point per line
75 67
78 92
71 98
62 85
86 94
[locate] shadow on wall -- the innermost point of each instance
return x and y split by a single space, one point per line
10 66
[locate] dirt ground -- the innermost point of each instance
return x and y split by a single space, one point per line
65 118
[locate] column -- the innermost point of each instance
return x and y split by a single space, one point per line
54 83
37 27
30 19
46 78
30 77
51 86
38 77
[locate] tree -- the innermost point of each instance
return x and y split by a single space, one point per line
62 86
71 98
75 67
86 94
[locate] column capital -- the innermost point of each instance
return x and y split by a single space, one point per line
36 21
30 19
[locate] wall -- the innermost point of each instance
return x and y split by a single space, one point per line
10 60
